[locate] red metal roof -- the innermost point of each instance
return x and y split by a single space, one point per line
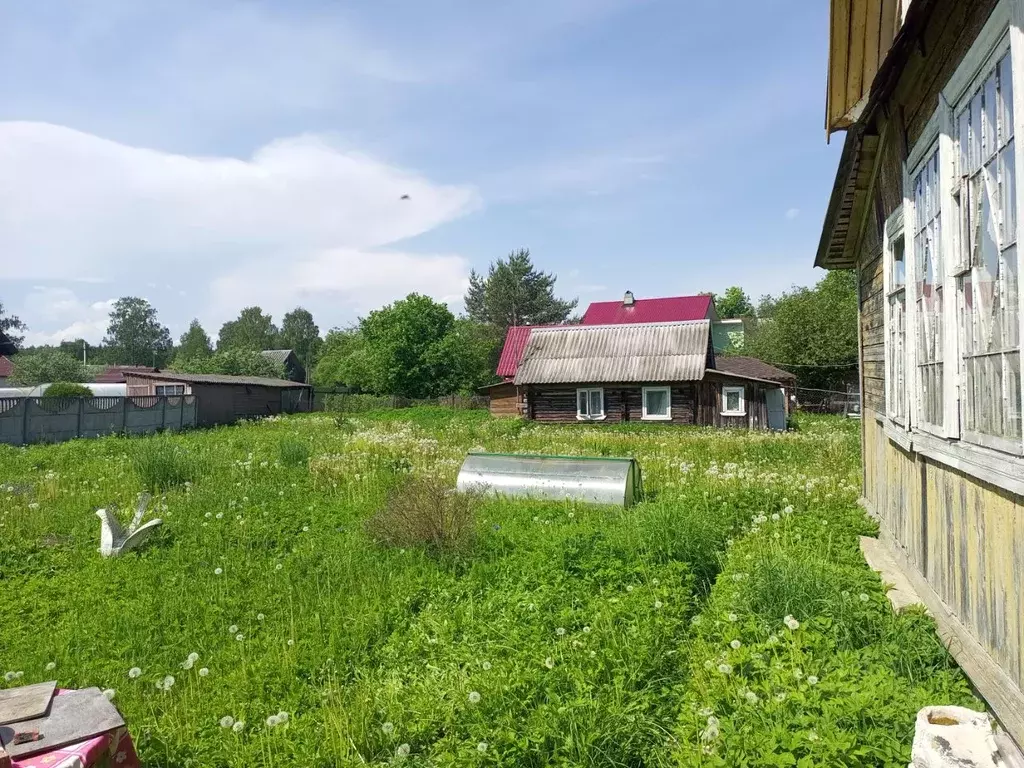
6 367
515 343
114 374
667 310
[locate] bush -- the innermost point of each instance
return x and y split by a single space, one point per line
426 512
160 464
293 452
67 389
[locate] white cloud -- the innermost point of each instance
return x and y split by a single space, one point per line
303 217
61 308
792 213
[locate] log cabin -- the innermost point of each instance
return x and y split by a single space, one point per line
924 207
609 374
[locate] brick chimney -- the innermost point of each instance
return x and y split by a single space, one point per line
627 299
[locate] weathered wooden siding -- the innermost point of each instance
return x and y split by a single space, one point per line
962 538
622 402
709 397
505 400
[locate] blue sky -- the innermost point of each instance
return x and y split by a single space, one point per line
210 156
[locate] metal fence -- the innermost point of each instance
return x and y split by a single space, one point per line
828 401
53 420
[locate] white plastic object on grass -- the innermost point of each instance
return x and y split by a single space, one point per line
115 540
954 737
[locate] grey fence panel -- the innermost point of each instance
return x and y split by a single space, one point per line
53 420
39 420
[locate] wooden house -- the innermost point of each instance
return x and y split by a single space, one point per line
291 366
925 209
658 372
224 399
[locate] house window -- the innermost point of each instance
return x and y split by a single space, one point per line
169 390
988 318
589 404
928 263
896 319
734 402
657 404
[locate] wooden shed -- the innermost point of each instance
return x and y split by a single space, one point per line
657 372
225 399
924 208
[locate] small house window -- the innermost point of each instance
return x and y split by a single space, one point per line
589 404
169 390
929 268
657 404
734 402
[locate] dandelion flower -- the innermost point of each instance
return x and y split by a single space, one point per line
227 721
798 673
486 665
291 642
239 637
725 669
863 597
751 697
204 672
474 697
812 679
549 663
272 721
239 726
388 728
109 693
629 587
812 735
193 657
658 605
775 516
134 672
51 666
792 623
403 750
586 630
732 617
260 617
187 663
233 629
218 571
735 645
593 654
655 582
220 515
780 696
282 716
278 567
560 631
695 620
481 747
305 529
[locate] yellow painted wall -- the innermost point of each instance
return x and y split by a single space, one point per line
965 536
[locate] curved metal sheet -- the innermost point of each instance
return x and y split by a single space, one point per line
597 480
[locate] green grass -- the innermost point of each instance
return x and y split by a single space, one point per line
567 634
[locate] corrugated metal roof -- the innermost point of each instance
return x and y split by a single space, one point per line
666 310
114 374
215 378
644 352
277 355
751 366
512 352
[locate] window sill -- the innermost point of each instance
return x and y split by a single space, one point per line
994 467
734 413
590 418
898 435
656 418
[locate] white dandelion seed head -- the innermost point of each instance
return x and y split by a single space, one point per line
474 697
109 693
481 747
725 669
792 623
282 716
218 571
239 637
272 721
134 672
798 673
658 605
863 597
732 617
204 672
233 629
291 642
167 683
780 696
629 587
812 679
560 631
486 665
220 515
812 735
227 721
305 529
51 666
278 567
549 663
586 630
735 645
388 728
775 516
193 657
403 750
239 726
593 654
187 664
751 697
260 617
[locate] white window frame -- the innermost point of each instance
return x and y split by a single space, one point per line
897 398
580 416
667 416
743 401
165 387
993 459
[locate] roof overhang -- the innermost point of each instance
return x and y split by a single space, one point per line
850 195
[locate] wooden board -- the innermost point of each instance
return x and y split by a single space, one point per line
25 703
73 717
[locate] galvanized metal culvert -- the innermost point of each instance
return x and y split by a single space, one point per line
592 479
